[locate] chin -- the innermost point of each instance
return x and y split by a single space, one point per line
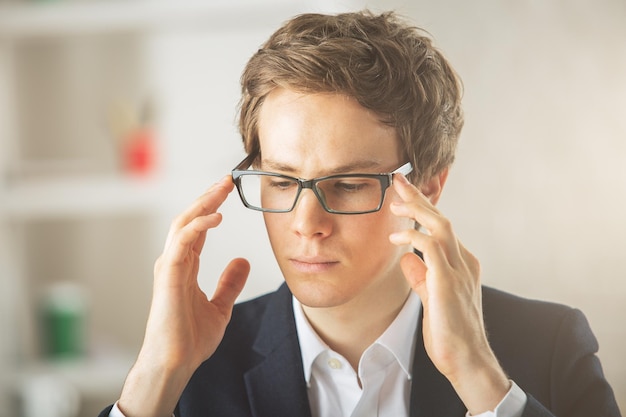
315 292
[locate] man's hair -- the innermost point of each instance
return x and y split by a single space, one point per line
387 65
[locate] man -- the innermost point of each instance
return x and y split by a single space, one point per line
350 123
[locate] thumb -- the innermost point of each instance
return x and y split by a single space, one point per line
230 284
414 270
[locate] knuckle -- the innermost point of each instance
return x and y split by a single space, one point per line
177 223
444 224
475 265
431 244
158 264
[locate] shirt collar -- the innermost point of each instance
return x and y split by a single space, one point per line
398 338
311 345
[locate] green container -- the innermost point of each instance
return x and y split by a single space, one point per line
63 322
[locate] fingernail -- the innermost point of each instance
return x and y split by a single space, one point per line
395 238
401 178
221 183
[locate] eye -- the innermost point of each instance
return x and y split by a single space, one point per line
281 183
351 186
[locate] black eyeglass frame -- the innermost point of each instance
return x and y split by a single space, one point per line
385 179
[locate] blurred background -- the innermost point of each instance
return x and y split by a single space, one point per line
115 115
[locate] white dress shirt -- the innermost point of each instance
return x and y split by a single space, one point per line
384 371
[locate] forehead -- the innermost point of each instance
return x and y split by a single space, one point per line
323 131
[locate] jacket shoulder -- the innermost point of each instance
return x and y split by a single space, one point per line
549 350
528 328
500 305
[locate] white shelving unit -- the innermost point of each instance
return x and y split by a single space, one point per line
40 197
79 196
62 198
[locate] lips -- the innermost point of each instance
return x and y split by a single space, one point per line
313 264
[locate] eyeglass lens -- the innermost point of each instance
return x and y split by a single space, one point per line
342 194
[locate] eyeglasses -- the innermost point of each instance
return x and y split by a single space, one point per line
339 194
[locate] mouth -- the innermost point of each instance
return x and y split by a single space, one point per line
313 265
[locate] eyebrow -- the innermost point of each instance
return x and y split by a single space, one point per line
356 166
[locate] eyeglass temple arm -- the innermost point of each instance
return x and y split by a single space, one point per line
405 169
245 164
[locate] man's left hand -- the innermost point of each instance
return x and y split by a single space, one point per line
448 282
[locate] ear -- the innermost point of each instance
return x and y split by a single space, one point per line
433 187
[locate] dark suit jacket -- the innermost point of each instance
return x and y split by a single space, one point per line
547 349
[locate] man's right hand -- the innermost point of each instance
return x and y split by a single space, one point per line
184 327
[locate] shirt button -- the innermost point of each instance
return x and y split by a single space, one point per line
334 363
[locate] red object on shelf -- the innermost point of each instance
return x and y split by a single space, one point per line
140 152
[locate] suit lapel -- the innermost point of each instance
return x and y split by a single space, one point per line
431 393
276 385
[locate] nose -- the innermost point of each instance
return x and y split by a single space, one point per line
309 217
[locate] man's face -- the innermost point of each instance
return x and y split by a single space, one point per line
331 260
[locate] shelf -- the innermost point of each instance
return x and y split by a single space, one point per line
53 198
91 377
69 17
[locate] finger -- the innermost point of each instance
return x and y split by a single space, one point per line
417 207
191 237
207 203
230 285
415 204
434 255
410 193
414 270
199 245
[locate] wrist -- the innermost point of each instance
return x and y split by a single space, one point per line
152 390
482 385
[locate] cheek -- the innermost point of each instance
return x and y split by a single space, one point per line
382 226
372 253
375 229
392 223
274 224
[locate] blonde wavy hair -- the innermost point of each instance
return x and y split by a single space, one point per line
386 64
